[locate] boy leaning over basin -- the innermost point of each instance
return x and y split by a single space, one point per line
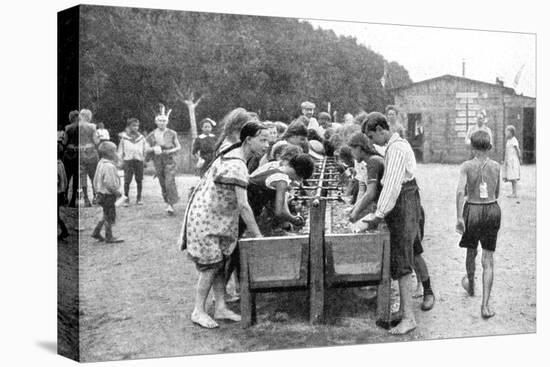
478 214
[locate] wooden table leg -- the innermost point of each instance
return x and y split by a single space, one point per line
383 308
316 262
247 301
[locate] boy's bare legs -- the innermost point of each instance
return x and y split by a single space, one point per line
408 323
487 263
468 282
199 315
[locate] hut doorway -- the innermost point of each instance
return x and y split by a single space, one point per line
529 135
415 134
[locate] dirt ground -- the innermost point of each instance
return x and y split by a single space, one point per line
136 297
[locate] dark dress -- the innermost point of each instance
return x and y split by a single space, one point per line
206 146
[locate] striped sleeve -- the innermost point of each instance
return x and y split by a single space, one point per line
393 179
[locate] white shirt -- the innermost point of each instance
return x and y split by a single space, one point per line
103 134
400 168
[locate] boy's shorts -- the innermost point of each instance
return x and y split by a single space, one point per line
482 224
417 246
404 226
107 202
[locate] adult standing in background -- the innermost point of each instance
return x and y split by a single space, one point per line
480 125
393 121
70 154
417 141
87 149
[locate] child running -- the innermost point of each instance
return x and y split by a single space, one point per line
107 186
512 160
478 220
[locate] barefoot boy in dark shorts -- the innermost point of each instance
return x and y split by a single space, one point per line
478 220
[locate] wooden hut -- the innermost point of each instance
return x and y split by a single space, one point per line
437 113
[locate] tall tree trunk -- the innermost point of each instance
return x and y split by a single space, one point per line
192 117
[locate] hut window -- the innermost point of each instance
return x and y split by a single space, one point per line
467 107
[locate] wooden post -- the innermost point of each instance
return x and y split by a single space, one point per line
247 301
384 288
316 261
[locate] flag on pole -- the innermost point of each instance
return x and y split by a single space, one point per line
518 75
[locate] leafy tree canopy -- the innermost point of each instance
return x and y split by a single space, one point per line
131 58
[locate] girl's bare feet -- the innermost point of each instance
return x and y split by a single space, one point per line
202 319
226 314
405 326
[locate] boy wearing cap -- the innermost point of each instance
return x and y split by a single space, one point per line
107 186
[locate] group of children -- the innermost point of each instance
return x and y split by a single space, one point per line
85 151
277 157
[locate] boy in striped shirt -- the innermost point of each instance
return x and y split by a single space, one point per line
399 205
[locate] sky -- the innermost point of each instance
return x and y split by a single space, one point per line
428 52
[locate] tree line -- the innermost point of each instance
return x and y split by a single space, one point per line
132 59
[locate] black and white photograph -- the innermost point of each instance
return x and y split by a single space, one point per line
241 183
233 181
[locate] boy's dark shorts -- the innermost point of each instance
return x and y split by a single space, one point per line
404 226
107 202
482 224
417 246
